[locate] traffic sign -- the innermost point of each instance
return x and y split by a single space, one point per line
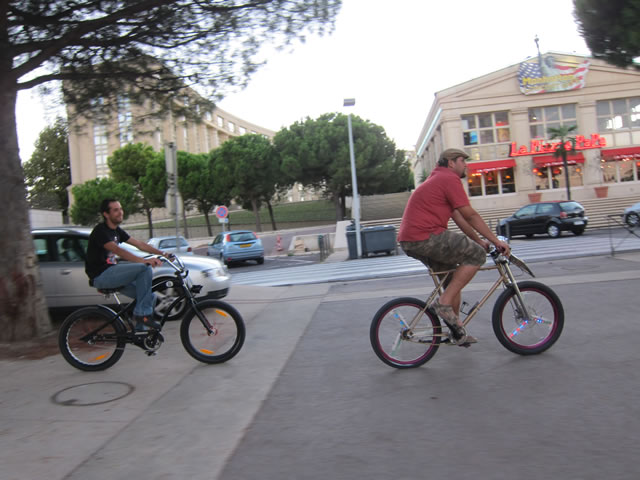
222 211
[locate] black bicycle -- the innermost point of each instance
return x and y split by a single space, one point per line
94 338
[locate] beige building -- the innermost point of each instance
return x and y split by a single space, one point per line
502 119
91 142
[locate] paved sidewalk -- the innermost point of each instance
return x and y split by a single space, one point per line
166 416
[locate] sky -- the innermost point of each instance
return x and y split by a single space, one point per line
392 57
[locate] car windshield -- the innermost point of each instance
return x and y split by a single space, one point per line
570 206
242 237
171 242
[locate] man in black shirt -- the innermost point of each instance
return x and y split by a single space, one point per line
104 272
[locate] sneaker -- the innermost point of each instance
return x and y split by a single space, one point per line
446 313
144 324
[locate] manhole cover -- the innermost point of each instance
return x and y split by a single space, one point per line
95 393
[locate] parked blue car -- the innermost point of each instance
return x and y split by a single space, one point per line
237 246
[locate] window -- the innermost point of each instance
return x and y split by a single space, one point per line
100 148
486 135
541 119
491 183
620 114
125 122
232 127
553 177
220 121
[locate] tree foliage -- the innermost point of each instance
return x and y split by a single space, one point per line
48 173
131 164
610 29
145 49
563 133
198 185
251 165
315 152
88 197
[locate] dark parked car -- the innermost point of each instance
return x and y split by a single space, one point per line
551 218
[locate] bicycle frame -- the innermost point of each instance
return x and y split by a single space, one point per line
505 278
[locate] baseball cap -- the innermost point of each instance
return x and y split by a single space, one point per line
452 154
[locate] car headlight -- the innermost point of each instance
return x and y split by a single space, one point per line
213 272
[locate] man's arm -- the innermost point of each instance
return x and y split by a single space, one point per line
127 255
474 219
468 230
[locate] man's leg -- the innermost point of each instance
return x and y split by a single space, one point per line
136 278
452 295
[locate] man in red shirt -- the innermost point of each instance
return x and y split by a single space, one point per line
423 235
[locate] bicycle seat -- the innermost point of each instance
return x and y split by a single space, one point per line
109 291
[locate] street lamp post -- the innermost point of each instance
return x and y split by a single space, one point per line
355 207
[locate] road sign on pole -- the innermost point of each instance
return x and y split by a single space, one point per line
222 211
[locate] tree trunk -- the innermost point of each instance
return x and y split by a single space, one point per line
206 219
256 212
566 172
149 222
336 203
273 220
23 311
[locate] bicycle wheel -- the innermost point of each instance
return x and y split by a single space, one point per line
394 343
226 339
89 340
522 336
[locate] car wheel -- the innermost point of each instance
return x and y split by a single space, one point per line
165 295
578 231
260 260
222 260
632 220
553 230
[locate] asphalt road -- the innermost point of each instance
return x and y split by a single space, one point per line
337 412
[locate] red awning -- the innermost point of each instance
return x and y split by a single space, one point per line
484 167
620 153
552 160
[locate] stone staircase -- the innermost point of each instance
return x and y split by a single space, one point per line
597 209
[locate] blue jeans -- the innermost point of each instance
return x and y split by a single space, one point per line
136 279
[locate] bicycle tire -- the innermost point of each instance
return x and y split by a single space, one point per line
102 350
228 332
390 338
528 337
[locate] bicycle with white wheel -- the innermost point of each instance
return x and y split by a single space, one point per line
527 318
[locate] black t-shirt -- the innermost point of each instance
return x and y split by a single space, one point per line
98 257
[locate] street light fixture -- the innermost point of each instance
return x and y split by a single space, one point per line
355 207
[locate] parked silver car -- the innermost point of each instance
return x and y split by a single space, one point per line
631 215
61 255
168 244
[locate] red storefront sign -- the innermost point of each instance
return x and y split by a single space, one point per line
538 147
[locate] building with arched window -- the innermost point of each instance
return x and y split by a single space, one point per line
502 120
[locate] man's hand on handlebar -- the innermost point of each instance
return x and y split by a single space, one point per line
503 248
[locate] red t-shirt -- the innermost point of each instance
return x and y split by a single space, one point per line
429 208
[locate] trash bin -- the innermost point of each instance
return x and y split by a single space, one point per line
351 241
378 239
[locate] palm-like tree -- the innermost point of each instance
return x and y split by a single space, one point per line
563 133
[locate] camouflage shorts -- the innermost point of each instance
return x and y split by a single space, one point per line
446 251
